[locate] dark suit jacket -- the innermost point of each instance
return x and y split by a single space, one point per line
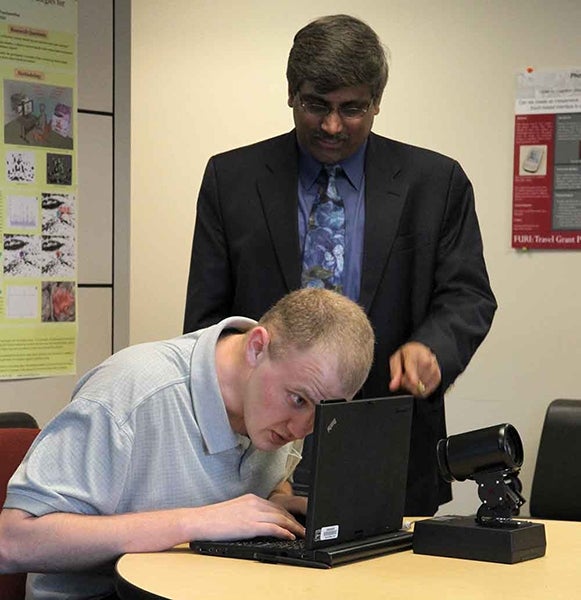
423 279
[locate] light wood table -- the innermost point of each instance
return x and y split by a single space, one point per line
179 575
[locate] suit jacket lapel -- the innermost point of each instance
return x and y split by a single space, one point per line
385 195
278 192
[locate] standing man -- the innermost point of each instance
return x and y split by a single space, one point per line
332 204
190 438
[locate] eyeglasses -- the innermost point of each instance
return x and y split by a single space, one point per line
320 110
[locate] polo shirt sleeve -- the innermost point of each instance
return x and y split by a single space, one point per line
77 464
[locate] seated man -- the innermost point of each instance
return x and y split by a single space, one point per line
190 438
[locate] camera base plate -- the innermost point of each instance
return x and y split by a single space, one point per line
462 537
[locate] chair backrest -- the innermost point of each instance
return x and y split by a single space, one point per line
17 419
556 490
14 444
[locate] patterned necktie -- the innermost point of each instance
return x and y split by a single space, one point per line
325 238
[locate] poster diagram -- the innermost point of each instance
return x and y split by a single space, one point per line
38 189
37 114
547 161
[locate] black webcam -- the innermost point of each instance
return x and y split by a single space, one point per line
492 457
495 448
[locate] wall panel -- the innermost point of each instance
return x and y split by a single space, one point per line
95 199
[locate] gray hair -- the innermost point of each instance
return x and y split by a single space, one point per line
337 51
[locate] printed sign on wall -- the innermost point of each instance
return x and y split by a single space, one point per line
38 188
546 208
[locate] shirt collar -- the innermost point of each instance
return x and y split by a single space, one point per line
353 167
207 399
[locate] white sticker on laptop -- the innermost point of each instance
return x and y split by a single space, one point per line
327 533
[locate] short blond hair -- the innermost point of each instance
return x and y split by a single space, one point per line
313 317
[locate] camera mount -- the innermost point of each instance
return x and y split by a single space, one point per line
491 457
500 492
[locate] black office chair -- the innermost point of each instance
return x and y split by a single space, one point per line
20 420
556 491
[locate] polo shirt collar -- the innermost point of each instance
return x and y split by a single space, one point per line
208 404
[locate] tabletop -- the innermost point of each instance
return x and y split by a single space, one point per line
180 574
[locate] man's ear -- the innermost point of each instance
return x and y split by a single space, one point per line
291 98
257 341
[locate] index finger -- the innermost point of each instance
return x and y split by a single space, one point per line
396 370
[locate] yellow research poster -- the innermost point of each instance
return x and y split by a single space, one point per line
38 188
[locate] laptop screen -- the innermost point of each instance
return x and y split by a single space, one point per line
359 469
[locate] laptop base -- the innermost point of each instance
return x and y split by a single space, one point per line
463 537
395 541
323 558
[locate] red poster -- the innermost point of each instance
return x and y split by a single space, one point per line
546 209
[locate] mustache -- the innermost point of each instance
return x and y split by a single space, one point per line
340 137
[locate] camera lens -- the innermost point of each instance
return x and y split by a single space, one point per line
513 446
490 449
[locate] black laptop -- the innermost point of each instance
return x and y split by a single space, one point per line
357 489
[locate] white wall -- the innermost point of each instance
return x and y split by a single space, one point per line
209 76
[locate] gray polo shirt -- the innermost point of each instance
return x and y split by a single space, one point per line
146 430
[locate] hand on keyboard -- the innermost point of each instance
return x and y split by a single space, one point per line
245 517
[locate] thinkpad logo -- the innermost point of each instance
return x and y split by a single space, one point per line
331 425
